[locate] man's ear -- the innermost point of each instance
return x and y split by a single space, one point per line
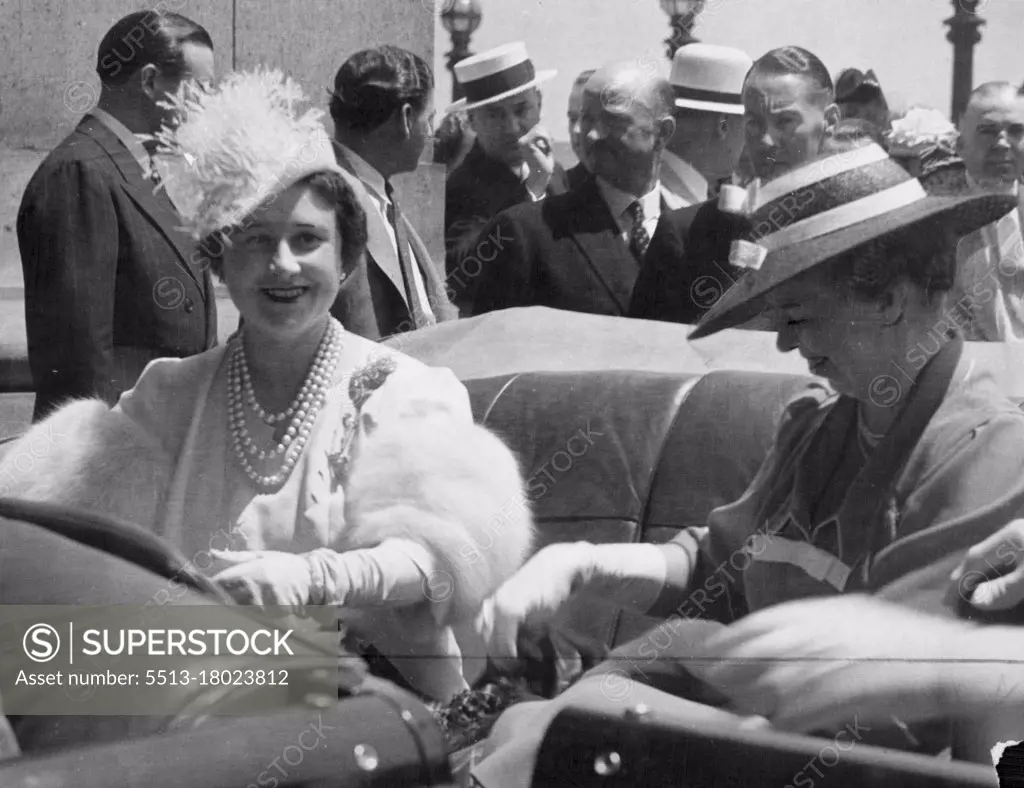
147 80
407 118
666 130
832 115
893 305
471 120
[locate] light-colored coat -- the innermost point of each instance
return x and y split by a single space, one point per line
422 470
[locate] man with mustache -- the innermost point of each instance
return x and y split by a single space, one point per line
581 251
990 262
788 106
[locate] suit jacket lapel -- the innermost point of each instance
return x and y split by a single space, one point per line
596 233
436 295
378 242
159 209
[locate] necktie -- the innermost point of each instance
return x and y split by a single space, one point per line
639 240
419 315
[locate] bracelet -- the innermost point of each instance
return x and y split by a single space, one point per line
318 579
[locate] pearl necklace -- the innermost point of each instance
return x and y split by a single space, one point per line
302 411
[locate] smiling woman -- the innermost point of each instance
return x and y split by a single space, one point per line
324 459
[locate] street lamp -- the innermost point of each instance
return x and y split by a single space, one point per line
964 33
461 19
682 16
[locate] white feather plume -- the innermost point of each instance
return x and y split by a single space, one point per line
238 146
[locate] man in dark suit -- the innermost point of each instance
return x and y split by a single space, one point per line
110 283
582 250
788 106
511 161
383 115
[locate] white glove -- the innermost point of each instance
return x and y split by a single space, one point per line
625 574
265 577
819 663
1001 554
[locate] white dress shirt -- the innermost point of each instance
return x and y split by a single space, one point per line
618 203
374 183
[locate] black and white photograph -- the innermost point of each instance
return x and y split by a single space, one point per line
512 393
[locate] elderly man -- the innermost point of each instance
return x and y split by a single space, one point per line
788 106
582 250
111 283
579 173
990 262
511 161
382 109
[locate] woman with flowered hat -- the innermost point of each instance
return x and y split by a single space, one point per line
881 476
296 464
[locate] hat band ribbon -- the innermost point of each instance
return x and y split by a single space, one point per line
499 82
810 174
714 96
839 218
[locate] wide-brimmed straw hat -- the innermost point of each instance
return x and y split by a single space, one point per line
495 75
824 209
710 78
239 146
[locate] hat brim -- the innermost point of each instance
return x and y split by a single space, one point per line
464 106
710 106
745 299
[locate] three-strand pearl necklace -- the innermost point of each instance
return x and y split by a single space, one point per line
302 411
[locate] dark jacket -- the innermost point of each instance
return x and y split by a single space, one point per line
478 190
687 265
110 283
564 252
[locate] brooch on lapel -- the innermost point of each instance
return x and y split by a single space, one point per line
361 385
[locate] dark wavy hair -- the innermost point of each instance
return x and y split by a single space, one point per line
351 219
373 84
147 37
796 60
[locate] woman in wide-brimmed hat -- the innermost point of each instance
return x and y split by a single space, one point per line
297 464
880 476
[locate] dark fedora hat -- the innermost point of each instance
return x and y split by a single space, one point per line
826 208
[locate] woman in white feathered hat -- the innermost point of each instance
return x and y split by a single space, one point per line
296 464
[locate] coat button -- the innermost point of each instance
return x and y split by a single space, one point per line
190 306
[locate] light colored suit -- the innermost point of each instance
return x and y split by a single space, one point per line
681 185
990 279
373 302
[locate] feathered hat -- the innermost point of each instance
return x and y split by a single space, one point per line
238 146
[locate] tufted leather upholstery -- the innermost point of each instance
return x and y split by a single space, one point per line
616 456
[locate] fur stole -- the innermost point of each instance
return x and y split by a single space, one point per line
424 471
88 457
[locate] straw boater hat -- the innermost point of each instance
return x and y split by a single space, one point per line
708 77
816 213
495 75
240 145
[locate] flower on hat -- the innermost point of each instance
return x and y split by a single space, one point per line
919 132
239 146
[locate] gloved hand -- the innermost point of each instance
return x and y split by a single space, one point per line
265 577
819 663
531 600
999 558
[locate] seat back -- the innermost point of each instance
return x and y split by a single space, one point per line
613 457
